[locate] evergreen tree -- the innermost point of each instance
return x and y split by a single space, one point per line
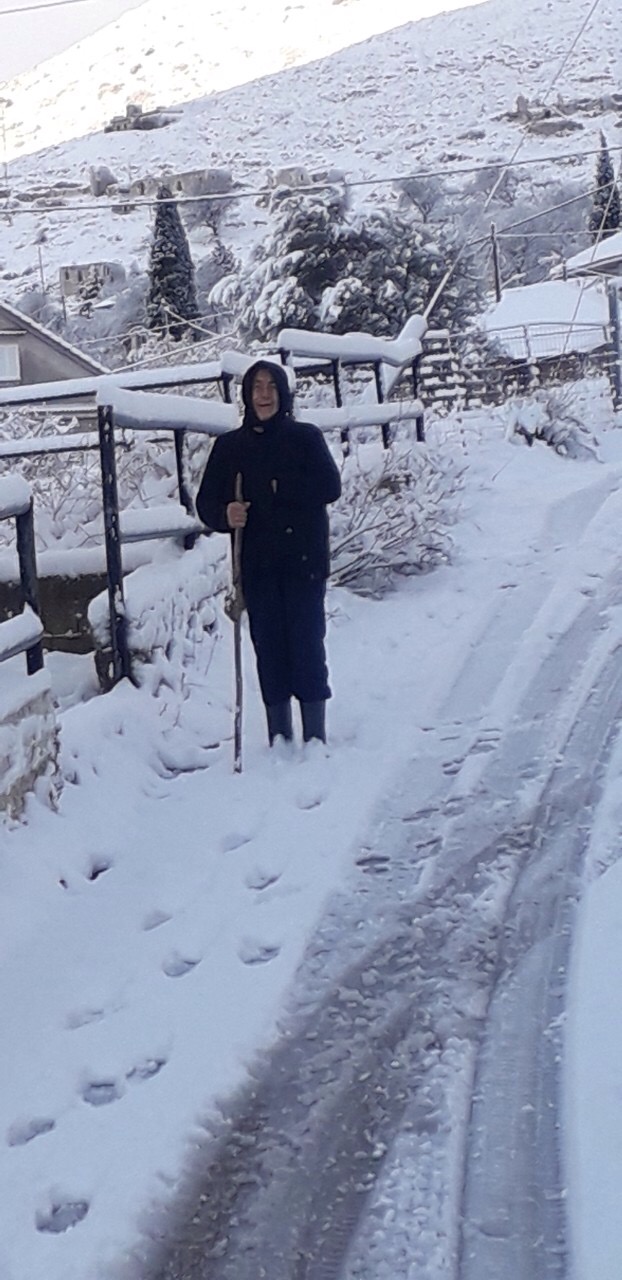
604 217
319 268
172 303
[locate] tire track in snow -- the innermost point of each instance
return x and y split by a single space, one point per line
456 947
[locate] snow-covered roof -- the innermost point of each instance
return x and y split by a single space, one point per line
52 339
550 318
607 253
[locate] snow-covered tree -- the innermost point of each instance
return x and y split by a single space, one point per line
172 303
604 216
320 267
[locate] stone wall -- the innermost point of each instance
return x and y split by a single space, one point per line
28 741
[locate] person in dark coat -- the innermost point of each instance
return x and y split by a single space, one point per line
288 478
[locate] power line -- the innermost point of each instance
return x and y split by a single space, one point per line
45 4
149 202
448 274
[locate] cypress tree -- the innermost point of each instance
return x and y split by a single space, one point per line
604 217
172 302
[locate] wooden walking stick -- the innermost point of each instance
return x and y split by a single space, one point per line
237 609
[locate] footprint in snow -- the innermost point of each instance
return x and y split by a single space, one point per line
23 1131
154 919
311 797
82 1017
487 740
100 1093
97 868
252 951
61 1216
236 840
260 879
146 1070
176 965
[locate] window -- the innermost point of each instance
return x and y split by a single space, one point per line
9 363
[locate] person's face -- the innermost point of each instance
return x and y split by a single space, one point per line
264 395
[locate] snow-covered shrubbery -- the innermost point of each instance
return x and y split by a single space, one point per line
551 416
394 515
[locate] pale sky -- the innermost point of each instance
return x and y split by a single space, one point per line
35 36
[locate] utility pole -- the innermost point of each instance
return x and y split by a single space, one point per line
41 271
495 261
615 327
4 103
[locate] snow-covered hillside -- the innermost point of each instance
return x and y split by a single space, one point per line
409 96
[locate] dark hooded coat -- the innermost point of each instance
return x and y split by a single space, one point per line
288 477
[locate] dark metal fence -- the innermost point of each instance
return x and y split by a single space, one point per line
23 633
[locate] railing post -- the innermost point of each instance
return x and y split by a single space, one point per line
25 533
385 428
345 434
121 664
179 437
419 427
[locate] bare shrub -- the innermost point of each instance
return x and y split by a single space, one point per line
393 517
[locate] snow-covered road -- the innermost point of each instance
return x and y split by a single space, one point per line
409 1121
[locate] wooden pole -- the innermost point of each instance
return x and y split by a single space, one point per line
238 608
495 260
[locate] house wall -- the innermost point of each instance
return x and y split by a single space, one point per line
39 361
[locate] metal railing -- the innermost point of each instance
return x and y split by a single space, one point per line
23 633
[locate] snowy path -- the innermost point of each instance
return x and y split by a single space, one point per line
409 1121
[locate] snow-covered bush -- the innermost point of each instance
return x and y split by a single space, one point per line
393 516
322 268
552 416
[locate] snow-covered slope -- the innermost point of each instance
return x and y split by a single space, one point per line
409 96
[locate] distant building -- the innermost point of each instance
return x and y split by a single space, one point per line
90 277
192 182
136 118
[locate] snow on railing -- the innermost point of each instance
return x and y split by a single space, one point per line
349 417
15 497
232 364
143 411
20 633
356 348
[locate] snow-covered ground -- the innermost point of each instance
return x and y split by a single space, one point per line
151 928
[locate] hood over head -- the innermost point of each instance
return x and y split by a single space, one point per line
286 398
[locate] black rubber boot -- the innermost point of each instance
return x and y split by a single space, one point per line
313 720
280 721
